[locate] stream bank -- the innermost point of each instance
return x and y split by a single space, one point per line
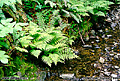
99 57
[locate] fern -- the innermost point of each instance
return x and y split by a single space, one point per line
50 41
3 58
8 28
78 8
10 3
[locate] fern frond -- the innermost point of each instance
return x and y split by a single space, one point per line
47 60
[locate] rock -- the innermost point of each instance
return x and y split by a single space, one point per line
92 42
100 31
95 65
109 36
111 54
113 25
102 60
87 46
113 75
67 76
103 36
106 29
53 74
107 73
93 32
42 75
109 19
118 54
97 47
48 75
93 37
105 69
116 67
87 38
76 52
97 41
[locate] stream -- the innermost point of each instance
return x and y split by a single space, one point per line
99 58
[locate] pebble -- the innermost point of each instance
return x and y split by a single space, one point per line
95 65
67 76
93 32
76 52
92 42
100 30
118 54
92 37
108 19
103 36
113 75
105 69
116 67
101 59
111 54
89 46
113 25
107 73
97 41
109 36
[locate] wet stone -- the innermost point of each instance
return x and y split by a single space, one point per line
116 67
101 59
42 75
97 47
105 69
92 42
107 63
87 46
107 73
97 41
76 52
113 75
118 54
109 36
93 37
67 76
100 31
109 19
103 36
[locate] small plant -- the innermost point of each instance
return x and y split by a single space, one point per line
50 41
8 29
3 58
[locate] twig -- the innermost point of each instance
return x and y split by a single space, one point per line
81 36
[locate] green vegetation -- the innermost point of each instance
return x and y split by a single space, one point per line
44 28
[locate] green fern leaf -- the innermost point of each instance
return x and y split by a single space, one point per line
3 58
100 13
49 47
71 56
51 3
40 19
36 53
54 58
60 45
4 22
47 60
26 40
41 46
21 49
75 17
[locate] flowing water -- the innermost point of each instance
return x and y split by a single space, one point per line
99 57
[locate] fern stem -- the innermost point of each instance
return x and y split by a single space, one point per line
81 36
